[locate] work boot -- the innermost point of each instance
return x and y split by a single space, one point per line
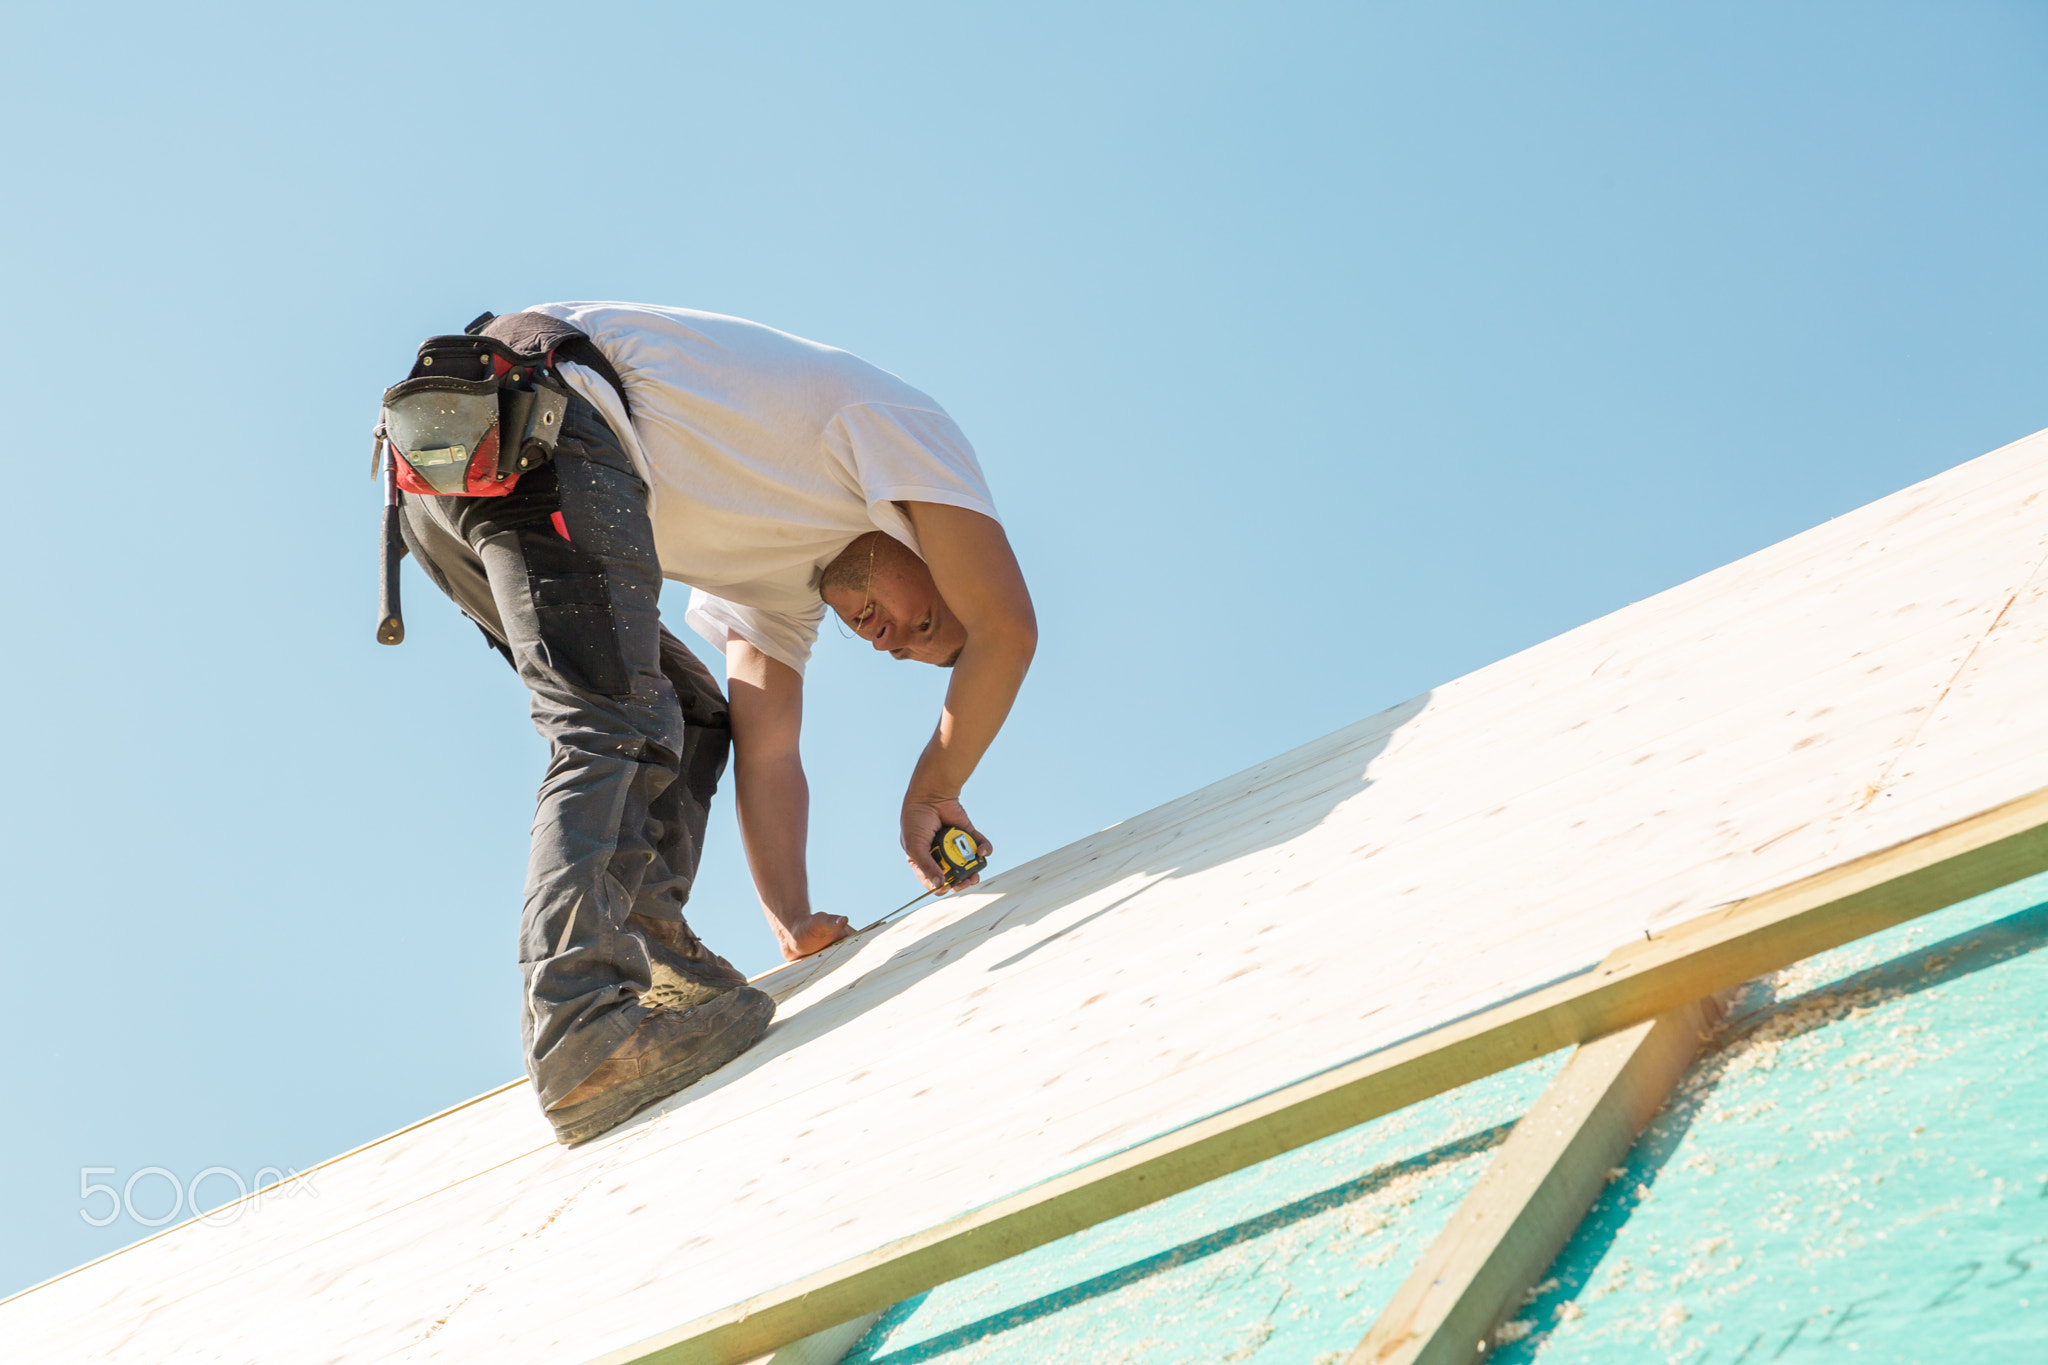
670 1049
685 972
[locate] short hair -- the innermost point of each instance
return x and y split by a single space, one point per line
849 571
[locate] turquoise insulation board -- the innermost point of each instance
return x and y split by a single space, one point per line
1857 1171
1283 1263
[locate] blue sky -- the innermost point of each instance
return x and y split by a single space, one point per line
1317 354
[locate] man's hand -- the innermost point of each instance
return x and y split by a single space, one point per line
808 933
922 821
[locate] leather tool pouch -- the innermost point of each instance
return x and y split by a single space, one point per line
472 417
478 411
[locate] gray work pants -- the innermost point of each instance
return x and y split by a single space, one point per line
636 727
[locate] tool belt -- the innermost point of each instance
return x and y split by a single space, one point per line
477 411
484 407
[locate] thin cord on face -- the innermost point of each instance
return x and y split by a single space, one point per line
867 594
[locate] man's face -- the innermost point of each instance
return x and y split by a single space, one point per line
902 612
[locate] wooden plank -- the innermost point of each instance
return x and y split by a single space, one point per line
828 1347
1511 1226
1710 954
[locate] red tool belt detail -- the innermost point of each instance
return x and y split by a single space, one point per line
479 477
561 527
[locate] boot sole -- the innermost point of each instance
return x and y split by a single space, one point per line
738 1020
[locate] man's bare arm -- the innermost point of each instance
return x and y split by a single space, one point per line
774 797
977 575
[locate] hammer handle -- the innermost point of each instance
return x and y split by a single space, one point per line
390 625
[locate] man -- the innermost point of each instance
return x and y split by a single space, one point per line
776 477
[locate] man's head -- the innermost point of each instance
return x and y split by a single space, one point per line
885 595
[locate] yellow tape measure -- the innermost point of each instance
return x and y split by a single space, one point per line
957 854
958 857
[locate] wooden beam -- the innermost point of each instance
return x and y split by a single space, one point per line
828 1347
1699 957
1518 1217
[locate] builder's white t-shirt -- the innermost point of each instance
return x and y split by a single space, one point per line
765 455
